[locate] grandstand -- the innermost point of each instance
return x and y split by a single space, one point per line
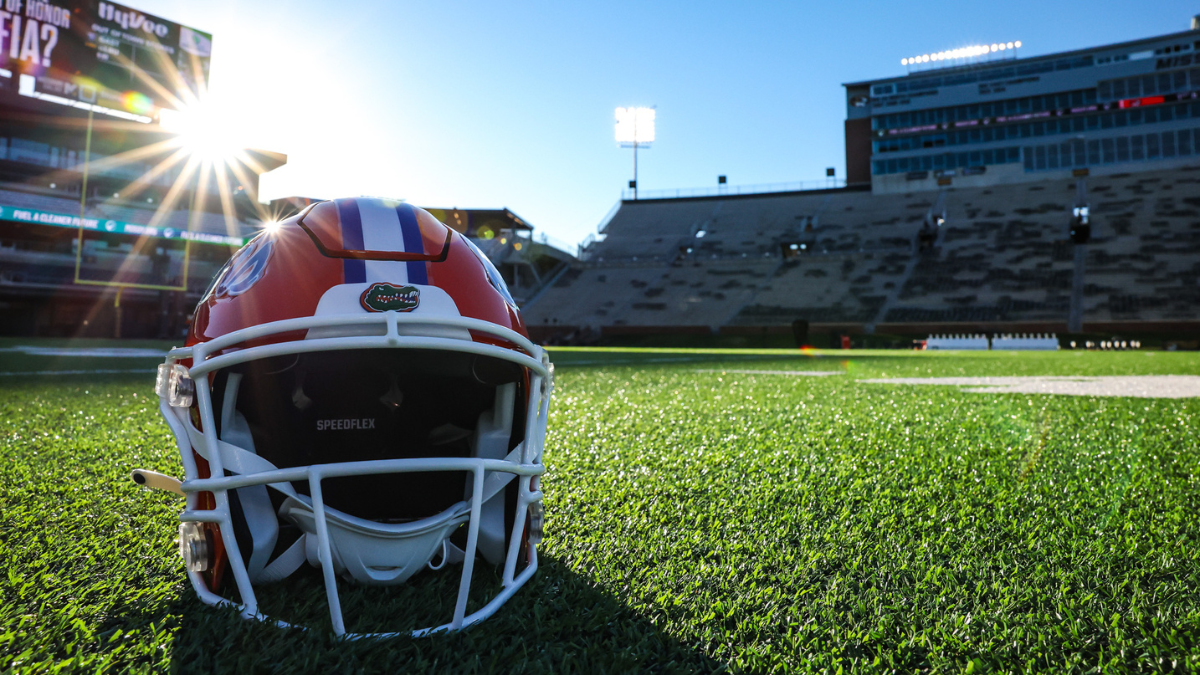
130 238
847 260
142 216
959 216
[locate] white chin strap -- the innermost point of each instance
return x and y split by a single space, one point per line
375 553
364 551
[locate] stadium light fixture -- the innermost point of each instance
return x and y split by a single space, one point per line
968 52
635 128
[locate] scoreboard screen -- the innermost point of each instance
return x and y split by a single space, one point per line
101 53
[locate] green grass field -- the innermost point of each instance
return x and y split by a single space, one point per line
698 520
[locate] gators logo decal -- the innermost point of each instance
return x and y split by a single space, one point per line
385 297
245 268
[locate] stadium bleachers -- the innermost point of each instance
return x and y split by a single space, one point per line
850 257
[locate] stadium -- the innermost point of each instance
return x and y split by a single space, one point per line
937 415
959 215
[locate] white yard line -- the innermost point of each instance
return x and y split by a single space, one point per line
142 371
1137 386
94 352
800 373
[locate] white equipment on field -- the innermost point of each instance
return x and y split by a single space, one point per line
1026 341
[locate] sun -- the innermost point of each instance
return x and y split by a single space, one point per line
205 131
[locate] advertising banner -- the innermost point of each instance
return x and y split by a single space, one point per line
20 215
102 53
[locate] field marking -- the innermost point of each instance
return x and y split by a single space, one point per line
665 359
1136 386
94 352
142 371
800 373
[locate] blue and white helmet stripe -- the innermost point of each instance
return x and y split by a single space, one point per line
381 225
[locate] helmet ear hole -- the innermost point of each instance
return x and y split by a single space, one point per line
494 372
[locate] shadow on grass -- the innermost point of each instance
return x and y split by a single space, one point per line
559 622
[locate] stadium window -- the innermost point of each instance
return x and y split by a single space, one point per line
1118 89
1052 157
1108 149
1152 150
1121 119
1080 152
1093 152
988 157
1168 144
1040 157
1123 149
1166 113
1137 149
1014 154
1185 142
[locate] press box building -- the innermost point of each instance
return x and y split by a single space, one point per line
1112 109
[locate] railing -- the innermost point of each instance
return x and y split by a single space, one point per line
608 217
543 238
719 191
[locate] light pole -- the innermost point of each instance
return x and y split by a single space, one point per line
635 128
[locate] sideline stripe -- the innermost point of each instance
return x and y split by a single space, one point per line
142 371
747 371
355 271
412 242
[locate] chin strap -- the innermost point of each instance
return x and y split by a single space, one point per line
281 567
243 462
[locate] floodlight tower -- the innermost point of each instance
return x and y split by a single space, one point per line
635 128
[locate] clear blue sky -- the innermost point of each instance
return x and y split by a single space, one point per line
491 104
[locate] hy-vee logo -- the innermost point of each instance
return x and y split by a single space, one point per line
128 19
385 297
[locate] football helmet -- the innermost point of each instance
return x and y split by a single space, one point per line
357 393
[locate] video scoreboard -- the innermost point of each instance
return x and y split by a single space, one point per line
87 53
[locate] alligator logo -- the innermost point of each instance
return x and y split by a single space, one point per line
385 297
